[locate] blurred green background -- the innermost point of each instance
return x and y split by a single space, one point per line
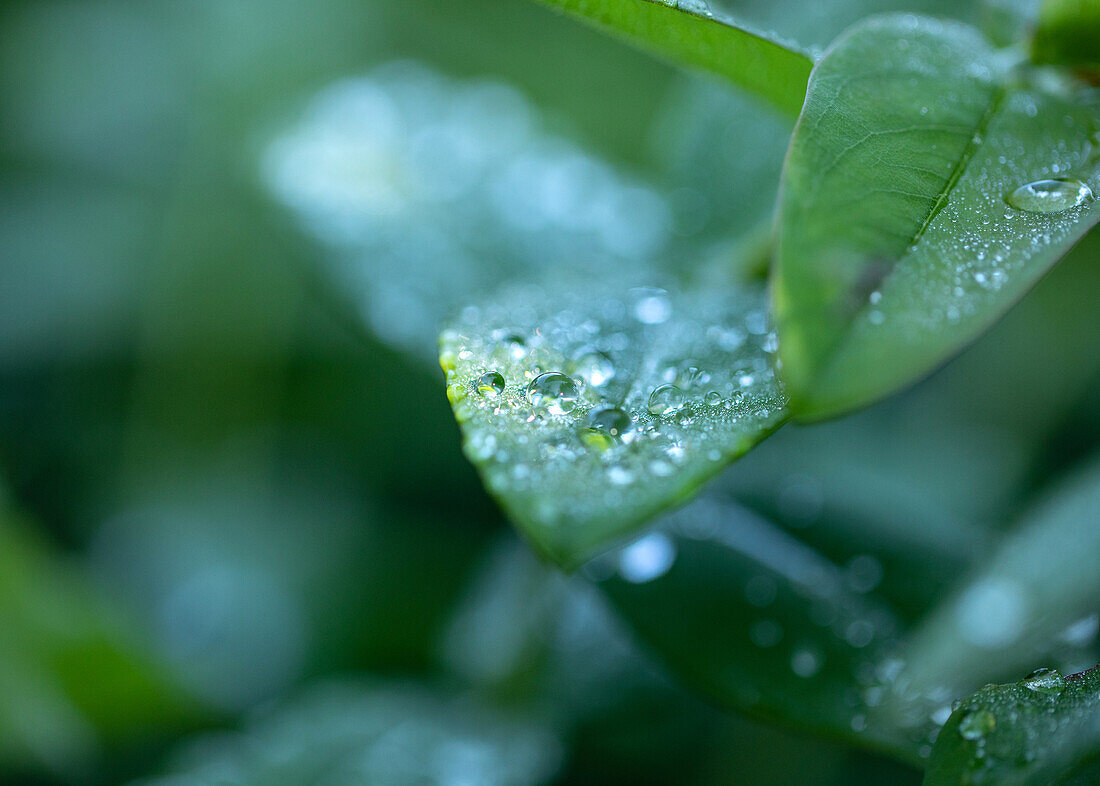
238 539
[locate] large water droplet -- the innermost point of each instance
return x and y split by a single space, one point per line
554 392
666 400
976 724
1050 196
490 384
611 420
1047 681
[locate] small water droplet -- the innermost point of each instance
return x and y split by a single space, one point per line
1050 196
666 400
490 384
976 724
513 342
713 398
1047 681
554 392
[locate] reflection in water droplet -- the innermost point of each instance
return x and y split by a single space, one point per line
976 724
594 438
490 384
1050 196
666 400
1047 681
594 367
554 392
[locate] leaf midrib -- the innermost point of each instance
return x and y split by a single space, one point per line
977 139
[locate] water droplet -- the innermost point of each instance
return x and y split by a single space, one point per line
976 724
620 476
713 398
805 663
1047 681
647 559
514 342
610 420
554 392
490 384
652 306
594 367
1050 196
666 400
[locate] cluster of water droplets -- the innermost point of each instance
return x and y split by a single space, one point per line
609 401
1006 728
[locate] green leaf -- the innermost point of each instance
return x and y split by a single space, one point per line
659 392
897 243
690 33
1039 730
1019 607
758 620
1069 34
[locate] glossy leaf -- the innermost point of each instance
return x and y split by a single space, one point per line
758 620
1039 730
588 411
1069 33
690 33
900 237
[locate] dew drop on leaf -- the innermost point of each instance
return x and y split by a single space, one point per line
594 367
554 392
1050 196
666 400
1047 681
610 420
490 384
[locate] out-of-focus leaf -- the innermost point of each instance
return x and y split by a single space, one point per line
1043 729
1069 34
922 196
72 676
429 192
252 586
758 620
690 33
588 412
377 733
1035 588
